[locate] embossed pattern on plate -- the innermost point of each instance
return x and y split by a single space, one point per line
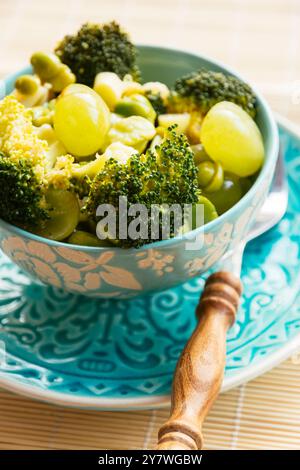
121 353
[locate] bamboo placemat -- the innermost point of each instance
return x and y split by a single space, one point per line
265 413
261 39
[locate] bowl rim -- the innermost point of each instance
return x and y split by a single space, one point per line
242 203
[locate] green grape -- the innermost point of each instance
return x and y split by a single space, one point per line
135 105
81 120
228 195
64 214
80 237
209 213
134 131
231 137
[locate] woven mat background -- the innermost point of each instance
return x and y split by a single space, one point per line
261 38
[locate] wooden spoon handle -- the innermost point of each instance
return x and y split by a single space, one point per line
199 372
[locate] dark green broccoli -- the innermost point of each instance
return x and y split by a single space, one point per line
34 194
22 200
157 102
31 200
168 176
98 48
22 166
202 89
80 185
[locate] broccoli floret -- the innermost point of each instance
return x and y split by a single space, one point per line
80 185
28 168
22 168
203 89
166 176
157 102
99 48
22 199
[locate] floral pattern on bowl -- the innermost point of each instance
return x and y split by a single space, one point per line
118 273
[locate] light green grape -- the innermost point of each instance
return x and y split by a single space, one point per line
81 120
134 131
231 137
64 214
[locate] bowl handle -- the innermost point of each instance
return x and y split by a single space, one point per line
200 369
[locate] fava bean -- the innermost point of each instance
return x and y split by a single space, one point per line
27 84
45 65
135 105
210 176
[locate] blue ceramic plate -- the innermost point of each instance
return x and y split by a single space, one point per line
109 354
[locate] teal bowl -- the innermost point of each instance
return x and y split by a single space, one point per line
125 273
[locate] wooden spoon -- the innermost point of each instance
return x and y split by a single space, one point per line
199 372
200 369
